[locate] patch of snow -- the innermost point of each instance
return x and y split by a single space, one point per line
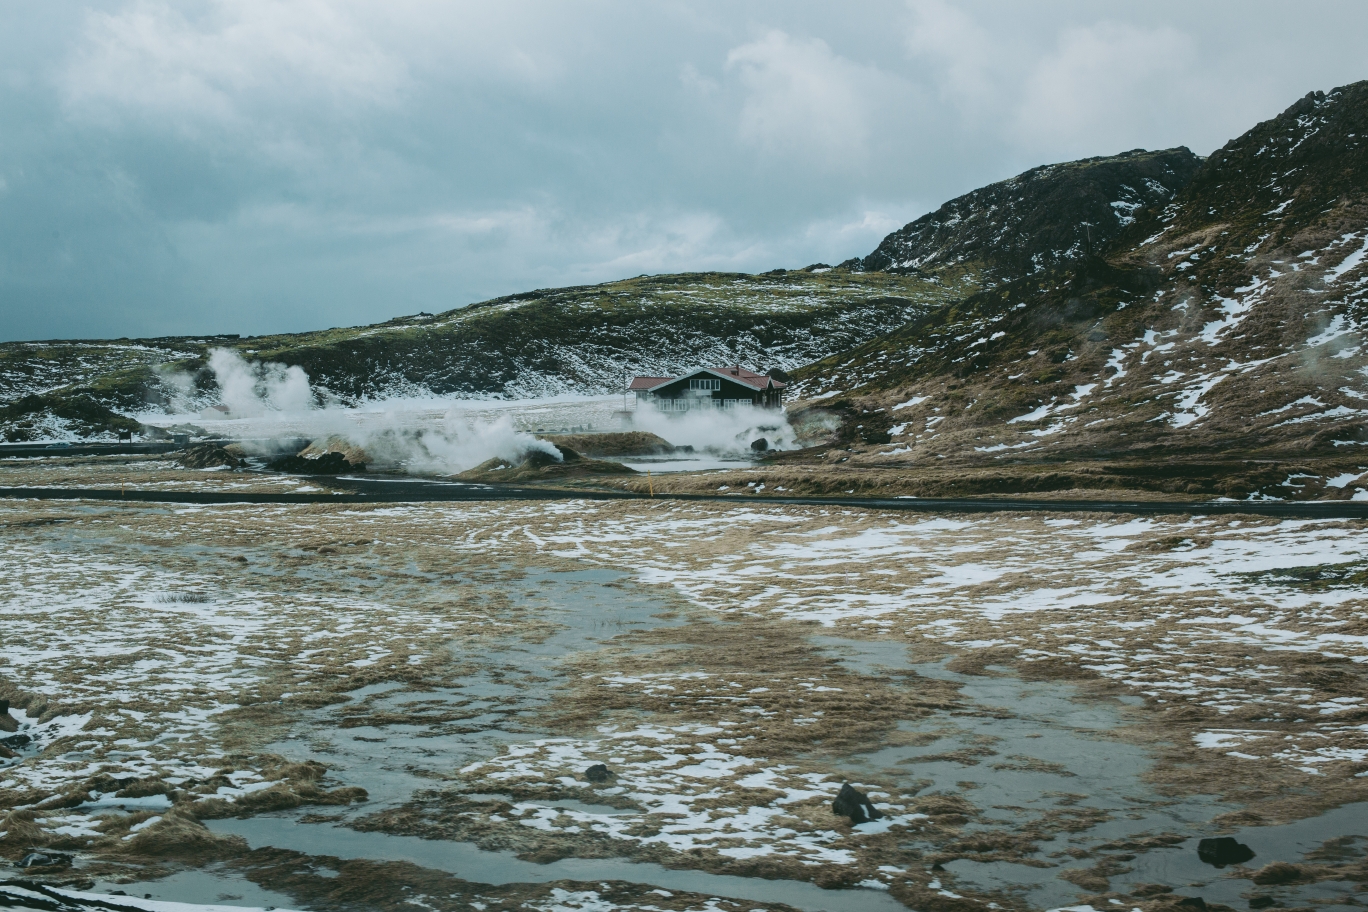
1349 262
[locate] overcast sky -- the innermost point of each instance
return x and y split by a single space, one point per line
250 166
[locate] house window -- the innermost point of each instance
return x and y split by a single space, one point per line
705 384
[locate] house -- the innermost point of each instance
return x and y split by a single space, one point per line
709 387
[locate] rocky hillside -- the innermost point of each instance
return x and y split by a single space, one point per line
588 339
1038 220
1229 321
580 340
1150 305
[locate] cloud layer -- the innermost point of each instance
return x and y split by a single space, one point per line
253 166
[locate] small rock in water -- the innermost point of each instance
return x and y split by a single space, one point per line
1192 902
44 860
760 445
598 773
1262 901
1223 850
853 803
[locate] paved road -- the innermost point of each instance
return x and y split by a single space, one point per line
414 491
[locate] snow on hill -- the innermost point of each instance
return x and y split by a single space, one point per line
1037 220
543 343
1230 319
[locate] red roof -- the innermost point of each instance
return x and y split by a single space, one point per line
735 373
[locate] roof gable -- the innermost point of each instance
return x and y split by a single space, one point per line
735 373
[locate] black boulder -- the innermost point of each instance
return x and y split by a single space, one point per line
1223 850
853 803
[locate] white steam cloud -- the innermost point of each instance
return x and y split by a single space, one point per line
453 443
398 437
718 430
250 390
433 436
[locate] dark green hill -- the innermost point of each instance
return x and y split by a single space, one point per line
585 340
589 339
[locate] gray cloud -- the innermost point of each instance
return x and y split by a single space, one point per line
253 166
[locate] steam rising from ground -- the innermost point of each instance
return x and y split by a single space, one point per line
718 430
447 444
251 390
450 444
434 436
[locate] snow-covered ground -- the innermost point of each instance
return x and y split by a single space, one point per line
161 657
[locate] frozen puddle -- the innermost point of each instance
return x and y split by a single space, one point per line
515 678
214 884
1179 866
444 728
1044 745
471 863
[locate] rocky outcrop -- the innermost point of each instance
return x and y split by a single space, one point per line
1038 220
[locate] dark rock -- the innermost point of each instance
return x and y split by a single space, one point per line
760 445
1223 850
1191 902
4 707
16 741
598 774
1262 901
853 803
327 464
45 860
